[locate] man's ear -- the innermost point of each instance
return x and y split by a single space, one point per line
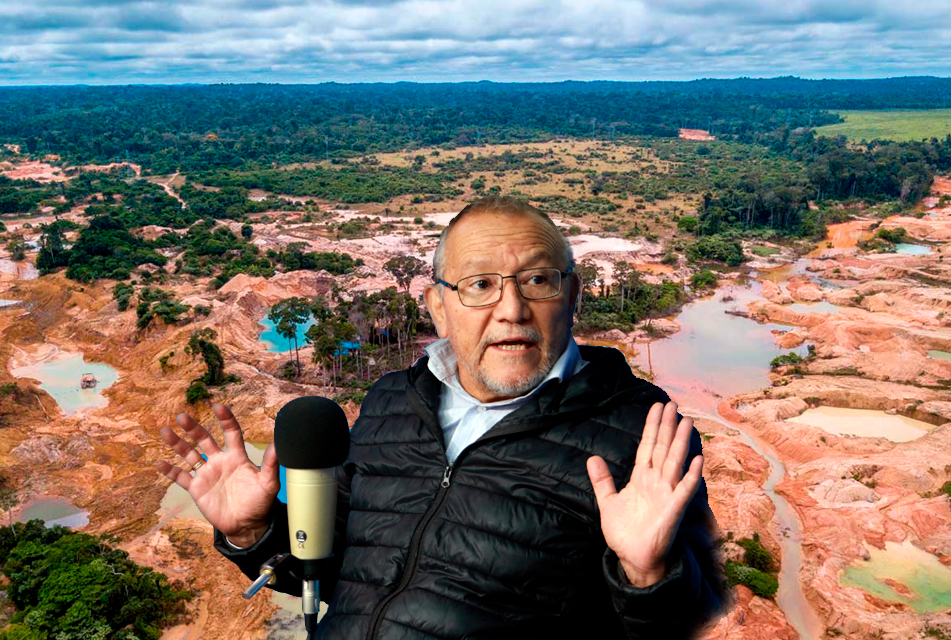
433 300
576 284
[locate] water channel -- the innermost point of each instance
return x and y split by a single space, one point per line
718 354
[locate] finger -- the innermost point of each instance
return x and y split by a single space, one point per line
648 436
184 449
601 479
673 466
175 474
198 433
234 439
270 477
665 435
687 487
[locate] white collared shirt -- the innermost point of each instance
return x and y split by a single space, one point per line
463 418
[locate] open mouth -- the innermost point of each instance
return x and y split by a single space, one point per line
513 345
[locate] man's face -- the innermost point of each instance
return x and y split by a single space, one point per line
491 243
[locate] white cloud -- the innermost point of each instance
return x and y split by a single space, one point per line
115 41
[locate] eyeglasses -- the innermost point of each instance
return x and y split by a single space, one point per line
486 288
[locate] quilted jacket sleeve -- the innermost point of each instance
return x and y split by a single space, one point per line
276 539
691 594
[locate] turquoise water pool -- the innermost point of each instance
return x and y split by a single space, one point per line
926 582
54 511
276 343
912 249
60 378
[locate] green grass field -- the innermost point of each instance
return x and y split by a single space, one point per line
891 125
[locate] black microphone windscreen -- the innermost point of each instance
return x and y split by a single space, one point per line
311 432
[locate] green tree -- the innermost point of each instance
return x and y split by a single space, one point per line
591 275
404 269
407 318
74 586
687 223
52 255
17 248
326 337
21 632
286 315
759 582
705 278
8 499
756 555
625 277
122 293
202 343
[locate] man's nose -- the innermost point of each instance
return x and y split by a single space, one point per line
513 307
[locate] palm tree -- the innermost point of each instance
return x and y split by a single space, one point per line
285 316
8 500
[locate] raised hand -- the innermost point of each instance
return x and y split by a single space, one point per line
228 489
640 522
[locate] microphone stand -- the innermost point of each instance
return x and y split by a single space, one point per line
311 604
310 592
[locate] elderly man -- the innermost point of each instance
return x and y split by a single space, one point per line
479 499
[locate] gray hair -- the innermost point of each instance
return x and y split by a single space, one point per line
504 205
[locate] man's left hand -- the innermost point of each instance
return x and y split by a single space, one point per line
640 522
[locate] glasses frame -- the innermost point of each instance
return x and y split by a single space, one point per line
455 287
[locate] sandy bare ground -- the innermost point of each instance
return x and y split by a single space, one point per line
45 172
33 170
941 186
167 182
695 134
125 441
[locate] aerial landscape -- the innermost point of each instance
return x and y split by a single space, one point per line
181 228
789 291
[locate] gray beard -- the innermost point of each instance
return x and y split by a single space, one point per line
522 384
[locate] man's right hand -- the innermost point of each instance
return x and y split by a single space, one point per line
228 489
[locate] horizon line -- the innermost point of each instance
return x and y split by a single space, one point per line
483 81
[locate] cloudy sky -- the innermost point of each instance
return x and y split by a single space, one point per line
210 41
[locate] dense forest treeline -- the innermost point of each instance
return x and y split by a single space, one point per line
232 136
767 171
196 127
75 586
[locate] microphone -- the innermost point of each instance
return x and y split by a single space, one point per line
311 437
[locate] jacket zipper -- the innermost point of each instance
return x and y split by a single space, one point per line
410 569
377 618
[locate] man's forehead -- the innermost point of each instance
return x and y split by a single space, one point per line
486 261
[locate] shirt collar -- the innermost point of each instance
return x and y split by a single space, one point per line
444 365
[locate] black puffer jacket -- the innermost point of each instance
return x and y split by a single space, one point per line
506 542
